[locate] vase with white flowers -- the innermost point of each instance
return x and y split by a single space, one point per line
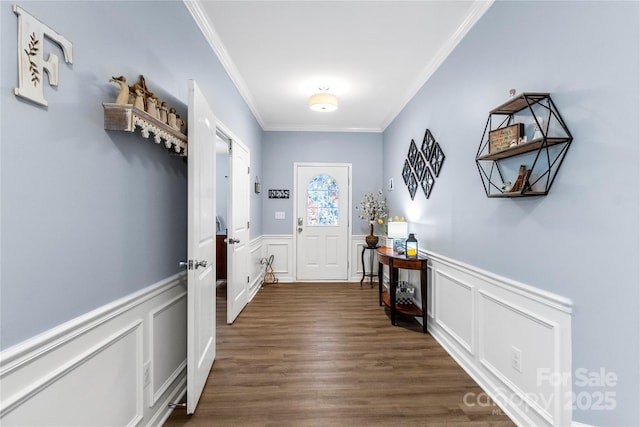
373 208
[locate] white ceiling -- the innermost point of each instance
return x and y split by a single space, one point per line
374 55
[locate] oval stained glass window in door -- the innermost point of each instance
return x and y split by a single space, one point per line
322 201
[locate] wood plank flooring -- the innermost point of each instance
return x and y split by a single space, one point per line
326 354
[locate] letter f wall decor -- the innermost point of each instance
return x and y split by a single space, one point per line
31 62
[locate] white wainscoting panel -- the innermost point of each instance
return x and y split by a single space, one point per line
456 307
90 370
281 247
169 339
510 337
257 270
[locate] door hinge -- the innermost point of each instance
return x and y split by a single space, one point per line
247 224
247 279
248 170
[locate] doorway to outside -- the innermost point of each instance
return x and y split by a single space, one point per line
322 223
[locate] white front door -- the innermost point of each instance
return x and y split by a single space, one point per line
238 231
201 245
322 221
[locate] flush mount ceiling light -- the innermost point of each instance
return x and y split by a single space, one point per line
323 101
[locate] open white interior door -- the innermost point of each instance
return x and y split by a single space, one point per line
238 231
201 245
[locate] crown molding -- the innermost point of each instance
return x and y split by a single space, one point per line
475 13
211 35
316 128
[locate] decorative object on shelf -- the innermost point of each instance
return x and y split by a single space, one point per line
373 208
549 145
278 194
507 186
397 232
123 89
437 158
411 246
371 239
404 293
147 113
502 138
256 186
537 133
164 113
416 167
31 62
522 181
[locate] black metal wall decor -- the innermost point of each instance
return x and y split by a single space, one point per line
437 158
427 144
278 194
416 168
427 183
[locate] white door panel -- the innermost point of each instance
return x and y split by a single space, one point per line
201 246
238 232
322 244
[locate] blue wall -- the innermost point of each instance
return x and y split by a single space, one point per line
582 240
87 215
282 149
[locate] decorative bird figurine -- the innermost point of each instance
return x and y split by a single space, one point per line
139 101
151 106
123 95
163 112
171 120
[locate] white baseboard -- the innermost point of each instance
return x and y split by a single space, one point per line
484 321
96 363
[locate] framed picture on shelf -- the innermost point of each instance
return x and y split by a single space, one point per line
501 139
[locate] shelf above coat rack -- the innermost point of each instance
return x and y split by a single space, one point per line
126 117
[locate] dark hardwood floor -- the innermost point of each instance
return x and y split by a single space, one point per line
325 354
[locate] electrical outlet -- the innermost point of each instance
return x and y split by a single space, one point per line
146 373
516 359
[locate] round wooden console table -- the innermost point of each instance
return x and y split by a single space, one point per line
388 257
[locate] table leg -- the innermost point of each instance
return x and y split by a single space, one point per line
393 284
371 255
380 272
363 270
423 288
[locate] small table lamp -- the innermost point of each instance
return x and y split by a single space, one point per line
398 231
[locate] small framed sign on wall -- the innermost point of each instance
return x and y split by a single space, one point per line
278 194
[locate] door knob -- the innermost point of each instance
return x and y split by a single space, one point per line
186 264
299 229
202 263
231 241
